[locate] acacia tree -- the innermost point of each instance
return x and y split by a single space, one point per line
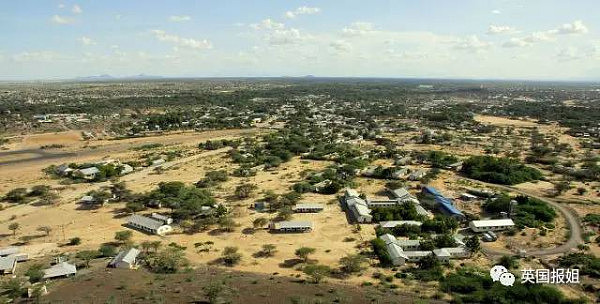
269 250
45 229
123 236
317 272
260 222
14 227
352 263
304 252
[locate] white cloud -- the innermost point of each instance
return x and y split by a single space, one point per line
61 6
86 40
303 10
182 18
62 20
76 9
276 33
515 42
180 41
568 54
36 56
341 46
267 24
472 43
500 29
358 29
577 27
496 12
285 36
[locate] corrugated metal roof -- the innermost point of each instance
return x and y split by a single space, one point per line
293 224
144 221
493 223
59 270
7 263
127 256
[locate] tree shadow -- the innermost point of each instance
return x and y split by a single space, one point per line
248 231
290 263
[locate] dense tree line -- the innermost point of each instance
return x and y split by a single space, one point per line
504 171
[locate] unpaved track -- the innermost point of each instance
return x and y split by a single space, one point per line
569 214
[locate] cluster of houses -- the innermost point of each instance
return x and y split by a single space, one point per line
92 171
402 251
360 209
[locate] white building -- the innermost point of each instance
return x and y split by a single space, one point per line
62 269
491 225
291 226
125 259
308 208
392 224
357 206
149 225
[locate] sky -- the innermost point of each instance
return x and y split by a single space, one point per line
479 39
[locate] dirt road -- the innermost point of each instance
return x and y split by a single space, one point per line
570 216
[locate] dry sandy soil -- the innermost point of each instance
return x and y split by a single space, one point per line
332 238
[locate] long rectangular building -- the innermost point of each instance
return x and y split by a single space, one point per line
491 225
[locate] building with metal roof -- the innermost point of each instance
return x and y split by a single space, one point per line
291 226
148 224
125 259
491 225
308 208
8 264
62 269
392 224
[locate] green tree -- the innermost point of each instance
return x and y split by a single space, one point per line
14 227
352 263
231 256
214 291
227 224
75 241
35 273
13 288
244 190
317 272
473 244
107 250
87 256
168 260
260 222
17 195
304 252
509 262
268 250
123 236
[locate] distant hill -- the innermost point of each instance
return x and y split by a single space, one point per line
106 77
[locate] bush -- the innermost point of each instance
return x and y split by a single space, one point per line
74 241
381 252
504 171
169 260
35 273
231 256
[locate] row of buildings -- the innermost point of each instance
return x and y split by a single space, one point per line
403 251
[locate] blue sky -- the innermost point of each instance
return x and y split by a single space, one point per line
501 39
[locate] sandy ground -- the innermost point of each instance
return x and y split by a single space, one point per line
332 238
30 173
